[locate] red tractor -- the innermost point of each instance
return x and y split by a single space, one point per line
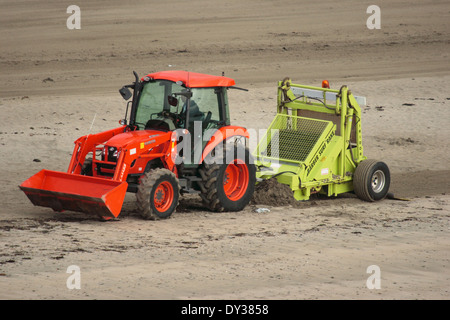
176 138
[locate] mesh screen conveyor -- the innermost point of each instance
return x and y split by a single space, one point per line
292 138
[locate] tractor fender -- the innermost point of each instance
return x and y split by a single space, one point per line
223 134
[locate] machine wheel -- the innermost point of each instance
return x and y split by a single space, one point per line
371 180
228 186
158 194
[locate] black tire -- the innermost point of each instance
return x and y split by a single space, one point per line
371 180
215 193
158 194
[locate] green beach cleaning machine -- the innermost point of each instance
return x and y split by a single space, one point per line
314 145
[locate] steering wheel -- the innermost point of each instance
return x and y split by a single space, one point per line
165 114
207 119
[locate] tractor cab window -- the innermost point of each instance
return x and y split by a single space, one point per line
209 107
154 108
208 111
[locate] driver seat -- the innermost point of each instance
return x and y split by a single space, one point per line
195 114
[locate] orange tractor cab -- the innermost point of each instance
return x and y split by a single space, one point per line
176 138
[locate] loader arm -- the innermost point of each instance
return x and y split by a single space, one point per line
86 144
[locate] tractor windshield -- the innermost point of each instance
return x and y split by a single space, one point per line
153 102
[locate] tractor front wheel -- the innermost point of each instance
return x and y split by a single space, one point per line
371 180
158 194
228 184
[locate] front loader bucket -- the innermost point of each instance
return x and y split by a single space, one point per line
63 191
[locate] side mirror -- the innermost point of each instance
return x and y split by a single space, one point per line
125 93
172 101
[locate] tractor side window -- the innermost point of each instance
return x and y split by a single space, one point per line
207 100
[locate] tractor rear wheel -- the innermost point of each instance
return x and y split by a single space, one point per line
229 184
158 194
371 180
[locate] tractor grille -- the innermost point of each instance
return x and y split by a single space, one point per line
292 138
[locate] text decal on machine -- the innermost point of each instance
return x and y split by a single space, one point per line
321 150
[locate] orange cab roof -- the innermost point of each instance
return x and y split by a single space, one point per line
192 79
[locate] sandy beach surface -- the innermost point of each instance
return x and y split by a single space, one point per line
56 81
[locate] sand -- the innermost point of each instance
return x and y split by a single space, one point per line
56 81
